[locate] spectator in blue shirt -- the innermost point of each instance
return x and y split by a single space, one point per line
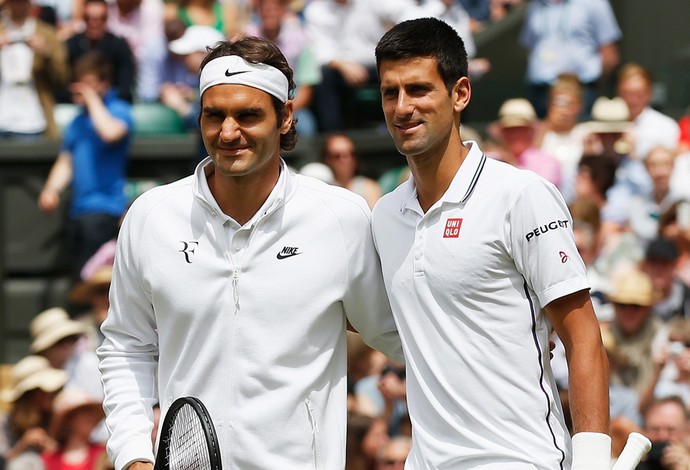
92 159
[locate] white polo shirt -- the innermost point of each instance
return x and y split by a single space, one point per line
467 281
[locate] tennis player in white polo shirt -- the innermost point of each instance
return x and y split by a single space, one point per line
480 263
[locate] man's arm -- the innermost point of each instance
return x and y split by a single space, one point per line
576 324
365 302
109 128
59 178
609 58
129 352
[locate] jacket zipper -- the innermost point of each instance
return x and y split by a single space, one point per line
237 268
314 431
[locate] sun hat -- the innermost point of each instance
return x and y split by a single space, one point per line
195 39
52 325
34 372
633 288
83 291
516 112
609 115
67 402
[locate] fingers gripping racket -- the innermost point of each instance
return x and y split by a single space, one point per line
635 448
188 440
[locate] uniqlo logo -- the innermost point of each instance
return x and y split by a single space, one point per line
452 228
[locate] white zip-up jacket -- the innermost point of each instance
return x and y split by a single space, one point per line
251 320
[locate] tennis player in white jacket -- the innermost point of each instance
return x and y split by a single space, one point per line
236 284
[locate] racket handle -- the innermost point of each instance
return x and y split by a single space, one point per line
635 448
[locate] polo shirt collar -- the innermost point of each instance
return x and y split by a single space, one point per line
461 186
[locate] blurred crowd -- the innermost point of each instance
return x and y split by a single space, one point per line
622 166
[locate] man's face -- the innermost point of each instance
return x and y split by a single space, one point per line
419 111
659 164
564 109
631 318
665 423
340 156
240 130
59 353
87 80
637 93
662 274
271 12
518 139
95 18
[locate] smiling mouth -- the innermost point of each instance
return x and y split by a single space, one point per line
407 126
231 149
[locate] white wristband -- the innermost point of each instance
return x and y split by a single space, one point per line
591 451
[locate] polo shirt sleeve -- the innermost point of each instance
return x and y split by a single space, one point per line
542 244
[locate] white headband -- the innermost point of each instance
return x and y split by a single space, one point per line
234 70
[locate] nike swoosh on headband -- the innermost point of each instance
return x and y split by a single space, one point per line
228 73
234 70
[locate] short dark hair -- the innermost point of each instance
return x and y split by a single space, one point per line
426 38
662 249
259 50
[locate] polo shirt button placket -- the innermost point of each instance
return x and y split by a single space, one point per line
418 251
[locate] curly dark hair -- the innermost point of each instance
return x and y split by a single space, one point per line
258 50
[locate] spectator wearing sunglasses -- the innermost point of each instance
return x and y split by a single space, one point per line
97 37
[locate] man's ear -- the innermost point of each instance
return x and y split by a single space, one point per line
288 116
462 91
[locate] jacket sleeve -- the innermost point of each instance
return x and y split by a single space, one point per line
128 355
366 303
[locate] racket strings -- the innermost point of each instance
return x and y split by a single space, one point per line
188 448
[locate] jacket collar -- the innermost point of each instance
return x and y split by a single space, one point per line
282 191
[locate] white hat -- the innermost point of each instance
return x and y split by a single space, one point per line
31 373
196 38
609 116
52 325
516 112
319 171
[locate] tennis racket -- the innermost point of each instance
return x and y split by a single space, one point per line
188 440
635 448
